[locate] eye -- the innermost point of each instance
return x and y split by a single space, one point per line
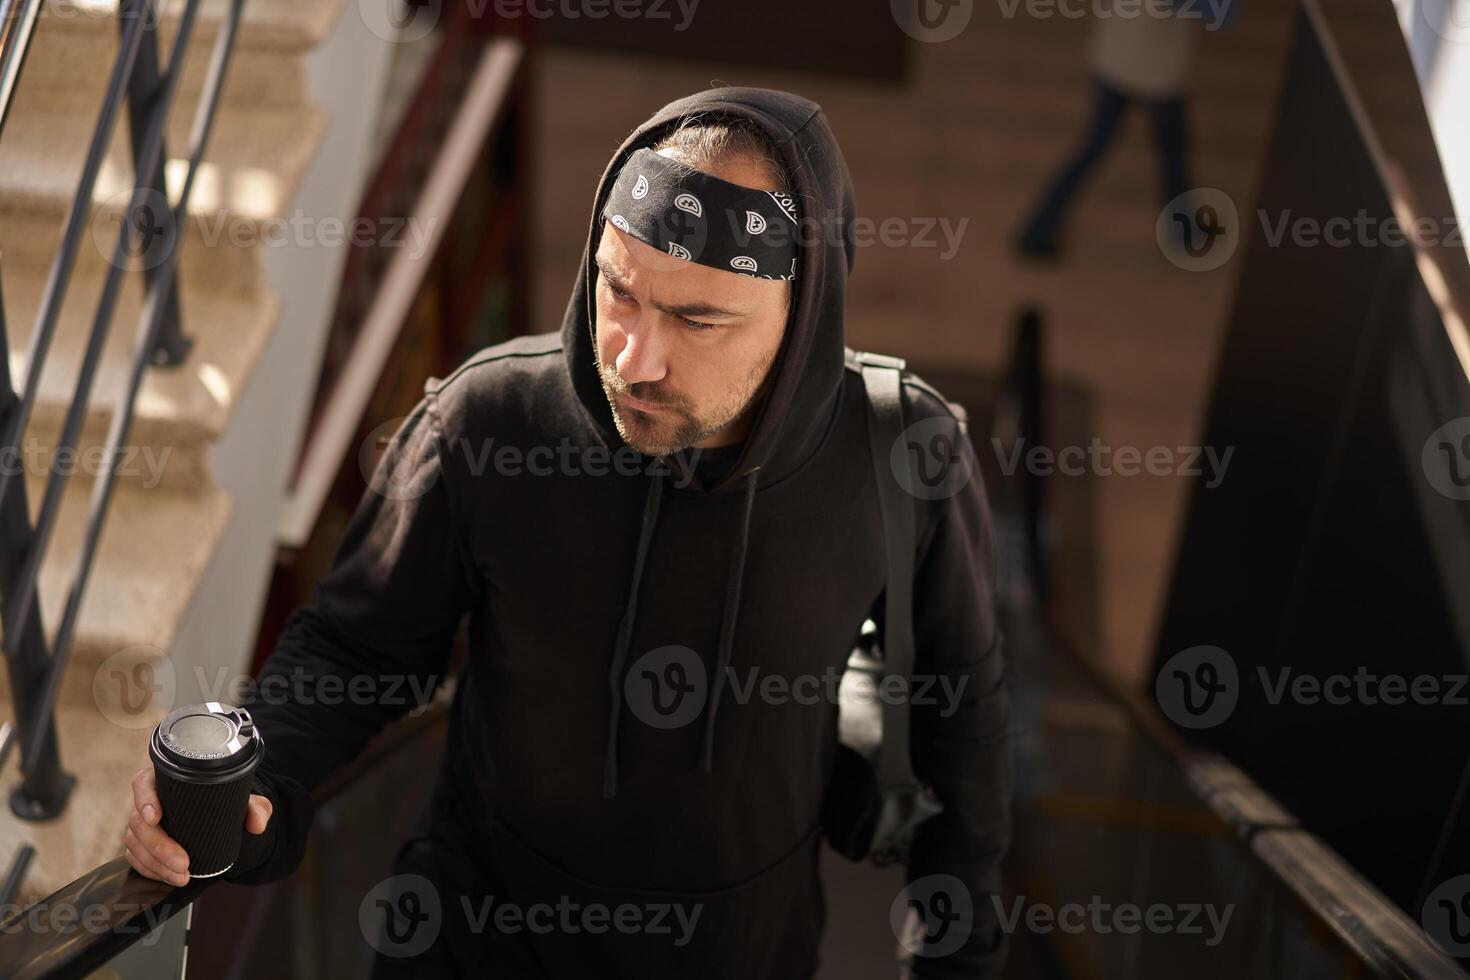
696 325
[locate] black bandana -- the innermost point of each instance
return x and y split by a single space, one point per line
697 216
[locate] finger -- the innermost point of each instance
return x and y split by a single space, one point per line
145 796
258 815
144 864
149 836
147 864
164 848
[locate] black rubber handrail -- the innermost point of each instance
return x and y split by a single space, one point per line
124 906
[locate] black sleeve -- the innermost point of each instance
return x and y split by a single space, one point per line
373 642
960 730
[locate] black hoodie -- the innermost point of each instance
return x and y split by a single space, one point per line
498 501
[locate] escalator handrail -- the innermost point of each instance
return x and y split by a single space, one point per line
1377 932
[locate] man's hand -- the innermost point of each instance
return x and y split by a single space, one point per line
154 854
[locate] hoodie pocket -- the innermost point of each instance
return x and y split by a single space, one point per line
766 926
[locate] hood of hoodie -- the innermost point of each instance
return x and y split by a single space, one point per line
801 395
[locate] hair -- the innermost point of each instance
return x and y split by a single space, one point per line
704 140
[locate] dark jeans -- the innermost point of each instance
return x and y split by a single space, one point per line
1042 229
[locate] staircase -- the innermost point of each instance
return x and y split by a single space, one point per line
168 515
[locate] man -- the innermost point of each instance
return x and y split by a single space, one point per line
605 749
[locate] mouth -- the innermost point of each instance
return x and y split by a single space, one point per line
640 405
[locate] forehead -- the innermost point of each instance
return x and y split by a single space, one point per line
676 280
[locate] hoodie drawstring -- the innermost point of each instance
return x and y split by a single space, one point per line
728 616
625 637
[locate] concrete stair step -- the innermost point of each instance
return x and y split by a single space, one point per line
180 410
76 42
155 546
68 69
290 25
251 170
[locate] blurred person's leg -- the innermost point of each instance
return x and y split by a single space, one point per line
1172 139
1040 234
1172 136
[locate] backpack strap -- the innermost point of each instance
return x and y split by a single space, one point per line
883 378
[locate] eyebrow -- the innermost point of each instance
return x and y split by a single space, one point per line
675 309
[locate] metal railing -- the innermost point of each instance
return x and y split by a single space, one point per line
36 667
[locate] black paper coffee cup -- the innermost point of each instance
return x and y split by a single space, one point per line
204 759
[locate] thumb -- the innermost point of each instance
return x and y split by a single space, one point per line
258 814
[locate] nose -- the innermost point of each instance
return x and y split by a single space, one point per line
642 357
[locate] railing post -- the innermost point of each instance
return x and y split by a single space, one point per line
154 217
44 787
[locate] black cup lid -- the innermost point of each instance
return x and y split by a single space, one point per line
208 736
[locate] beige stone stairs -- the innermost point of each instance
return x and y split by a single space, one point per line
167 516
